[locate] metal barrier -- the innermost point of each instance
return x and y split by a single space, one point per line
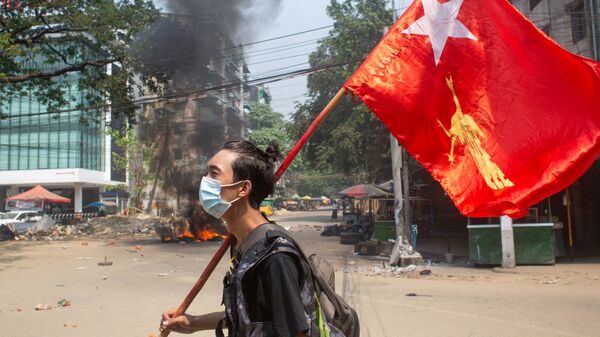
73 216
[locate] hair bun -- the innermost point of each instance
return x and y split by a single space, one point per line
272 152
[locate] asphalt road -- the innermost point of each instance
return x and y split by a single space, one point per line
126 299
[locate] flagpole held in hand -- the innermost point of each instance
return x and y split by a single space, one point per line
187 301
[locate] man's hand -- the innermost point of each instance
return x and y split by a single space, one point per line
181 324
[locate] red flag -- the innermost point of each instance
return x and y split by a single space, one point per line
495 110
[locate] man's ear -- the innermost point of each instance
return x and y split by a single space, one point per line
245 189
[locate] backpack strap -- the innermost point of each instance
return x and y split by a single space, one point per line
258 234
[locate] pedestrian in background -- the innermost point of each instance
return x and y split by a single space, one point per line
334 211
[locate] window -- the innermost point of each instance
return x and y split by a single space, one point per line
533 3
578 20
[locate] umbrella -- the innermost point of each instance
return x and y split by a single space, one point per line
364 190
387 186
100 204
307 197
40 193
295 196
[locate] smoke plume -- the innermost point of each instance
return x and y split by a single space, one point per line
243 18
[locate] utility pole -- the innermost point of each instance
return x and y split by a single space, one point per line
242 83
594 29
402 214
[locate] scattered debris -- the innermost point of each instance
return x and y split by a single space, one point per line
105 263
550 282
411 268
163 274
104 278
43 307
63 303
80 268
82 258
415 295
6 233
112 226
504 270
388 270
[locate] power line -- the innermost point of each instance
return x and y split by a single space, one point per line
219 88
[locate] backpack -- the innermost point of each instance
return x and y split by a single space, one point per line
332 306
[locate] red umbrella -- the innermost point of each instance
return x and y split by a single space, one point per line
363 190
40 193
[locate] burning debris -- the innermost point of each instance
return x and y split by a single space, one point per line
186 230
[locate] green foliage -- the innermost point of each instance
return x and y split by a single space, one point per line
136 158
117 188
49 47
351 140
269 127
316 184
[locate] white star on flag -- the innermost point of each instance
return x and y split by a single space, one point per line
439 23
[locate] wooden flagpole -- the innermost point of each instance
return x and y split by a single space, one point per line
187 301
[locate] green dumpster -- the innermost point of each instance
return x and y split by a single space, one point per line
384 230
534 244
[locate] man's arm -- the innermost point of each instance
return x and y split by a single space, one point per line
190 323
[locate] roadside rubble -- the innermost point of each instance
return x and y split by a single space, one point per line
112 226
389 270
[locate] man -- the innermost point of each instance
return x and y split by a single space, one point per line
334 208
239 177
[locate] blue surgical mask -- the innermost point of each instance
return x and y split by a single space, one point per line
210 197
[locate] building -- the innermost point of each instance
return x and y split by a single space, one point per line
210 92
67 153
571 23
259 94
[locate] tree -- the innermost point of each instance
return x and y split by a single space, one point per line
269 127
136 158
351 140
44 43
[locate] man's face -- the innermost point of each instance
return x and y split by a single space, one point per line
219 168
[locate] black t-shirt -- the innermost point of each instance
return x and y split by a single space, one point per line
272 290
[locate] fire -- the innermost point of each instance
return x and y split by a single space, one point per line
207 234
185 234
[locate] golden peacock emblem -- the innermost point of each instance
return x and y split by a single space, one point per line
465 129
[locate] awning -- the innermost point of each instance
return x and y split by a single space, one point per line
40 193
